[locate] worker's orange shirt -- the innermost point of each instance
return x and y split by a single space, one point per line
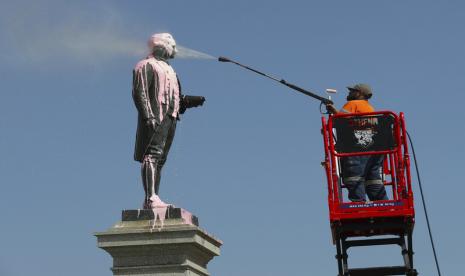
357 106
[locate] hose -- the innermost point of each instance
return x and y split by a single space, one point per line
424 205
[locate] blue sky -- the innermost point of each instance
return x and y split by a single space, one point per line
248 162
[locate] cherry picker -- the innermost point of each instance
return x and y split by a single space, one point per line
391 221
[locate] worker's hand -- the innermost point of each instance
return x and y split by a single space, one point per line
331 109
151 123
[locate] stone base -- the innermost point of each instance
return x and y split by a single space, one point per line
171 212
142 244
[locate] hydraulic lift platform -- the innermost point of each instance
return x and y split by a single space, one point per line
375 223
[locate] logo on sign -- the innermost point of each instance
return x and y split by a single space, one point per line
364 137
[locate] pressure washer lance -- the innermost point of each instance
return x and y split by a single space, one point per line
282 81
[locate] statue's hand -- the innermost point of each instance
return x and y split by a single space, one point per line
188 101
151 123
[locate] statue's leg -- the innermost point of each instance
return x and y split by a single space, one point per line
149 175
150 164
158 178
155 157
171 130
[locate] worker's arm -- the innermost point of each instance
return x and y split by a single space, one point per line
349 107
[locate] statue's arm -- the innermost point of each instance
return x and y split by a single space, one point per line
188 101
143 82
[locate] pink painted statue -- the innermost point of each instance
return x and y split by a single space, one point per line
159 102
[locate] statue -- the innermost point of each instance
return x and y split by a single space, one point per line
159 102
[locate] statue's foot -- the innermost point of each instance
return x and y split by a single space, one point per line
154 202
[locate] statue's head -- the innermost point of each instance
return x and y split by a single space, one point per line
162 45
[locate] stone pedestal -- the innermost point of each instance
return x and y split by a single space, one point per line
142 244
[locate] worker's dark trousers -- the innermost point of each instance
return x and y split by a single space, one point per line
156 154
362 176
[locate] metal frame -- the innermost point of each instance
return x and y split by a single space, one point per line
386 226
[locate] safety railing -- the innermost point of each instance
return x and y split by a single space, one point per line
378 133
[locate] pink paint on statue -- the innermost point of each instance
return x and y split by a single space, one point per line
186 217
164 40
167 83
159 209
168 86
141 80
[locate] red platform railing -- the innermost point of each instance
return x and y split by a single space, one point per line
396 169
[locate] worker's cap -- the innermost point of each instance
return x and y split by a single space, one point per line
164 40
364 88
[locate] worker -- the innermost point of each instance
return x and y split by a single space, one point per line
361 174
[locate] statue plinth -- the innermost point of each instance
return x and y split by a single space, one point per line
146 243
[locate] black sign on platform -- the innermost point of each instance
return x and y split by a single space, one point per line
364 133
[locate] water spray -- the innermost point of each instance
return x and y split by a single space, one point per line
282 81
187 53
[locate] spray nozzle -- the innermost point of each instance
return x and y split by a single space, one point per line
223 59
